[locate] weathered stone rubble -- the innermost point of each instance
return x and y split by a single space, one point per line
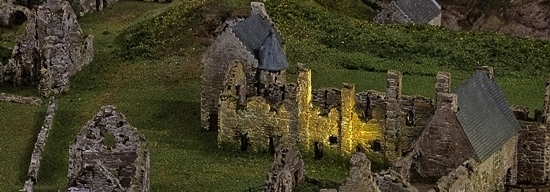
36 156
391 181
52 48
360 177
108 155
286 171
20 99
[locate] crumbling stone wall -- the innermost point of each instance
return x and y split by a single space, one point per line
327 99
36 157
52 48
216 62
20 99
256 127
286 170
360 177
416 110
341 131
108 155
328 120
11 14
489 175
392 14
226 50
394 121
533 164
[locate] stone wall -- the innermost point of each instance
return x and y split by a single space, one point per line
216 62
340 130
36 157
490 175
52 48
108 155
256 127
20 99
286 170
392 14
11 14
394 116
442 146
360 177
533 163
325 120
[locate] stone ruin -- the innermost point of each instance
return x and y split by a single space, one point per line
52 48
11 14
360 177
286 171
108 155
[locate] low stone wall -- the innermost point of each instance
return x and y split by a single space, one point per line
34 166
533 162
20 99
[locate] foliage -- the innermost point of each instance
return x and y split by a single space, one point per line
5 54
183 27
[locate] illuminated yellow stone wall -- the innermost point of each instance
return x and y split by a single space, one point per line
257 121
345 124
298 121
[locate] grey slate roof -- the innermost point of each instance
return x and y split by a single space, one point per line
262 40
484 115
252 32
419 11
271 55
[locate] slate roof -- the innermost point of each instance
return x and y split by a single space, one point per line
271 55
484 115
419 11
261 39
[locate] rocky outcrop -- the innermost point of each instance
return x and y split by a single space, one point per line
286 171
519 18
52 48
108 155
360 177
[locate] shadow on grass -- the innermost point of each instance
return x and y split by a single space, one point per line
67 123
173 122
26 158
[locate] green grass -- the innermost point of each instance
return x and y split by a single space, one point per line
147 63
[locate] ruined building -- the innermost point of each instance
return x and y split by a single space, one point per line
247 58
410 11
471 124
325 120
108 155
51 50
